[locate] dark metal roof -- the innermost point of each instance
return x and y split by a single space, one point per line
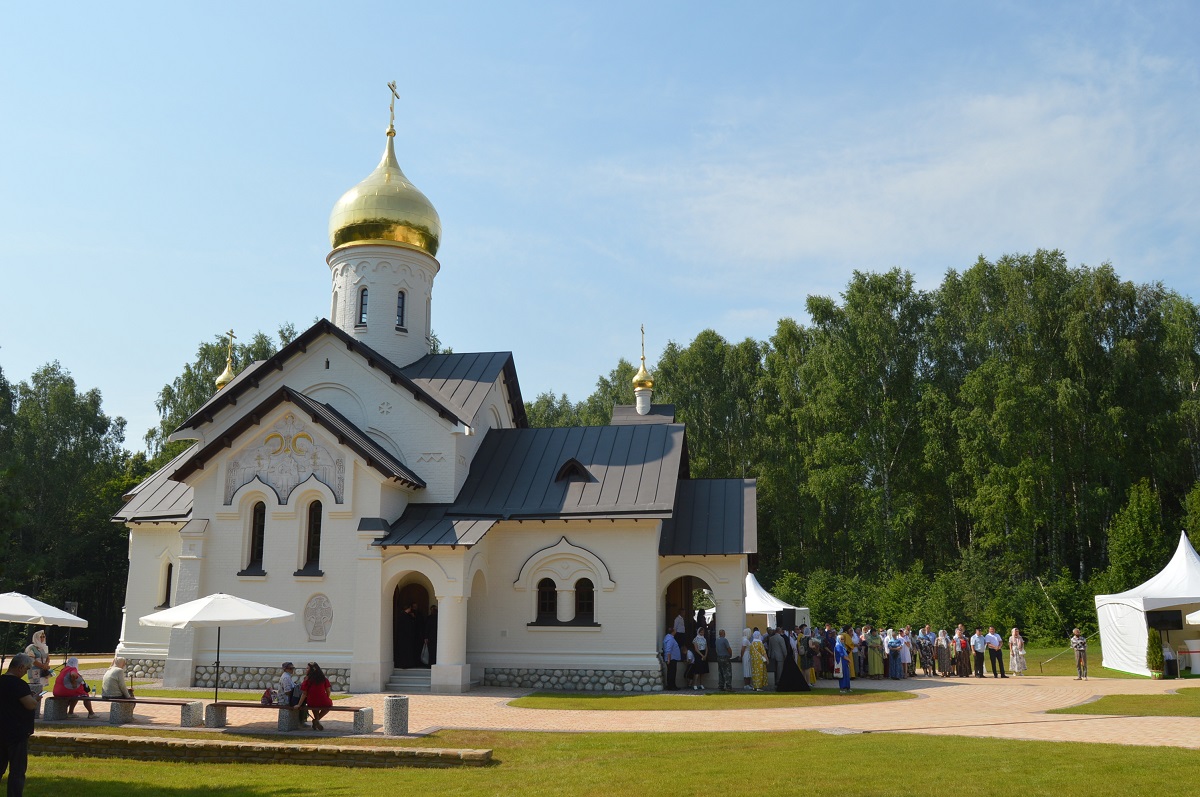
634 471
462 381
159 498
627 415
712 517
347 434
250 381
428 524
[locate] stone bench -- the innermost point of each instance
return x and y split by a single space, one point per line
288 717
120 711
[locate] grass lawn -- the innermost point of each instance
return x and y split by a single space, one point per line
657 764
1064 664
1184 704
704 701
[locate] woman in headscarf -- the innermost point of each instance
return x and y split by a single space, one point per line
847 637
791 678
1016 653
962 653
700 659
39 670
925 652
906 653
943 647
874 654
758 662
746 658
70 685
893 645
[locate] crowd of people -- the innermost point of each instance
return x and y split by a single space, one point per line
795 659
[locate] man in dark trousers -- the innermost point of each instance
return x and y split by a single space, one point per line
776 653
995 652
671 657
17 708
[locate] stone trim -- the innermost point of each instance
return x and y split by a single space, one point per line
146 669
196 751
262 677
575 680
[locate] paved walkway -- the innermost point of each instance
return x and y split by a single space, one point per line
1006 709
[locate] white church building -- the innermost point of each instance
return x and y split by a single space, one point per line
355 473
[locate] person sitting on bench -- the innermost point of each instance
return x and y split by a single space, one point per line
316 695
114 684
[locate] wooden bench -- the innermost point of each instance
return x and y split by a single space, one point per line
120 709
288 717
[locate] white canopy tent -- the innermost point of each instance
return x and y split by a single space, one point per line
762 603
1123 630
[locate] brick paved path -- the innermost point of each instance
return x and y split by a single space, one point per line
1008 709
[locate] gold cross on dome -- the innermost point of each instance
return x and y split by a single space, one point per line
229 350
392 104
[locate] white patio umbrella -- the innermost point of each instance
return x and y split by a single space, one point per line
218 609
18 608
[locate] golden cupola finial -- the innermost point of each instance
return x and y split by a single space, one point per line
642 379
227 375
386 208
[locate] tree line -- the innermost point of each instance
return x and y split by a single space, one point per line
997 449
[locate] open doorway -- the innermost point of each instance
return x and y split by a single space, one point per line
410 618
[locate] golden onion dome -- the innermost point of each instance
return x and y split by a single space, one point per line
226 376
386 208
642 378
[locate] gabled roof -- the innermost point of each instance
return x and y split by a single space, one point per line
159 498
635 471
252 376
347 434
627 414
1178 582
462 381
712 517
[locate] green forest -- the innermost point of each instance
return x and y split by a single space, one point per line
996 450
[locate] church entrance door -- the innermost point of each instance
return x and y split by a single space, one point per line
689 596
410 616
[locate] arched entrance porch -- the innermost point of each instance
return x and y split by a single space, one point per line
412 626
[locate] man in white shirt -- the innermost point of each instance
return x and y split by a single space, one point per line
992 640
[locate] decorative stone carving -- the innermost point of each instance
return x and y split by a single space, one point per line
318 617
287 457
385 408
431 456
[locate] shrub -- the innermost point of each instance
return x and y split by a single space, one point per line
1154 653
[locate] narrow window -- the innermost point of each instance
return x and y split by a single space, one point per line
258 534
585 601
547 606
362 307
166 597
312 561
333 314
400 310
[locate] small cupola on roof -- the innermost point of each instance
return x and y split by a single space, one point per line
386 208
643 383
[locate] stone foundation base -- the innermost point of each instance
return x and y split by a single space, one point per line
145 669
575 680
261 677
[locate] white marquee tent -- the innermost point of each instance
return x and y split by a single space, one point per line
1122 616
760 602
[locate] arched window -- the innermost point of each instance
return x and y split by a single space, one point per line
312 555
547 604
400 310
166 594
258 538
585 601
362 307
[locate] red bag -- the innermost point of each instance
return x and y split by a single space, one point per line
268 697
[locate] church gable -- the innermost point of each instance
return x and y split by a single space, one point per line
290 451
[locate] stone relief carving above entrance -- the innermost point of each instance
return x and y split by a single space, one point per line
288 456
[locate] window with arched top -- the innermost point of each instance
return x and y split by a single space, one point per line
362 307
333 314
400 310
312 544
585 601
547 601
258 540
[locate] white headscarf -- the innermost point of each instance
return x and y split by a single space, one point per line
73 662
758 636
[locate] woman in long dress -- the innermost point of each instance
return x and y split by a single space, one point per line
791 679
893 646
746 657
943 653
1016 653
906 653
874 654
700 660
758 662
962 653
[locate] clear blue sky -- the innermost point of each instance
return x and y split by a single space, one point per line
168 169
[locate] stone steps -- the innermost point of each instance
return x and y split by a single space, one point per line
415 680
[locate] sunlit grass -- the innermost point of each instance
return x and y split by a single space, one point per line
1186 703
